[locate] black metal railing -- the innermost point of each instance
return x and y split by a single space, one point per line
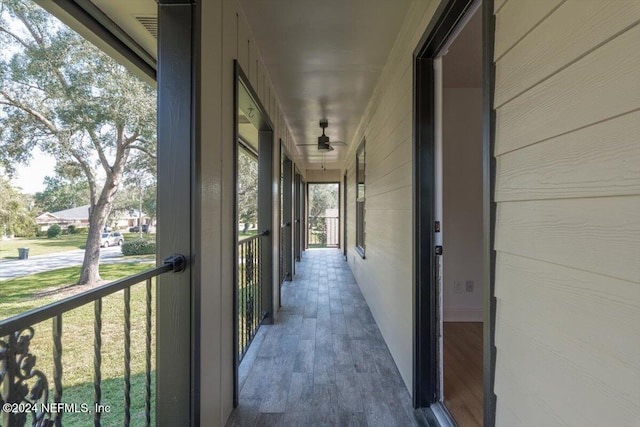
285 252
24 388
250 312
324 232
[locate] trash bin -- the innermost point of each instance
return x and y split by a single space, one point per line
23 253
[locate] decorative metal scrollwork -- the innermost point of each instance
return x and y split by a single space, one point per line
23 389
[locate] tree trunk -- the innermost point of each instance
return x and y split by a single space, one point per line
140 212
90 272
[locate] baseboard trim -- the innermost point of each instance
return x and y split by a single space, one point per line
463 315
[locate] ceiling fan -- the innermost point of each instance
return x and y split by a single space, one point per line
323 140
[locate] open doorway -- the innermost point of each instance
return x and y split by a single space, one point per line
462 218
453 364
324 215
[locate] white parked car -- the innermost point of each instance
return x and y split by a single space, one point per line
110 239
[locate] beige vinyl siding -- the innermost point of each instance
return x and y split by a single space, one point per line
225 37
385 276
567 151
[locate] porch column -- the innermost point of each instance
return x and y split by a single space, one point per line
265 218
176 142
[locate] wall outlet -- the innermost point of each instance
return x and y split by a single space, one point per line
469 286
458 287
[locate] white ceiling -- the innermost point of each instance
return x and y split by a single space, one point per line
324 58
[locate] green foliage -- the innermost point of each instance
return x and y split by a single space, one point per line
71 229
64 96
247 188
139 192
62 193
139 247
321 198
54 231
16 218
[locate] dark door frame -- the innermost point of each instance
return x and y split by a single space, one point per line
425 373
303 215
287 219
306 187
297 220
344 216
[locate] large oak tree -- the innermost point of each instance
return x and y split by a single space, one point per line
61 94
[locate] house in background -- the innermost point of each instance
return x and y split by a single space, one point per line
127 218
78 217
491 163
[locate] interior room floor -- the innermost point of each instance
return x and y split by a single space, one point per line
324 361
463 372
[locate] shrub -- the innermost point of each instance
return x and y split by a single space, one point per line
53 231
72 229
82 230
139 247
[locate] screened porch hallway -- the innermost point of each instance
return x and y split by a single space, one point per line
324 361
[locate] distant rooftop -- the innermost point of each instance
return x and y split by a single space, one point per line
81 212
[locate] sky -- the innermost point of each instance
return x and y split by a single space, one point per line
30 178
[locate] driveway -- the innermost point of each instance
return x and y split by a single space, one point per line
37 264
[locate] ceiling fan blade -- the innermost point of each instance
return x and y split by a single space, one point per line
304 145
338 143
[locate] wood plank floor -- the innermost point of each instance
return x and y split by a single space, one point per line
324 361
463 372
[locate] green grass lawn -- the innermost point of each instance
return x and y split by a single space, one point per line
44 245
41 245
250 233
17 295
134 236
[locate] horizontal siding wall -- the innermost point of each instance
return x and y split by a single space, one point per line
225 37
385 275
327 175
567 151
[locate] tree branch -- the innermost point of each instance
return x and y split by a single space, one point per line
133 138
144 150
99 149
30 86
86 167
37 37
35 114
14 36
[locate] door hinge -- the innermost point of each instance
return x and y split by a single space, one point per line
438 250
436 226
